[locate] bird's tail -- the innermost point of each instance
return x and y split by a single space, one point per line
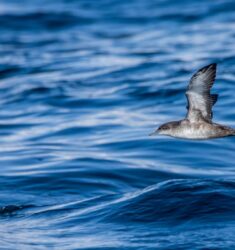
233 132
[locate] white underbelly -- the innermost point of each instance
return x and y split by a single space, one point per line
194 133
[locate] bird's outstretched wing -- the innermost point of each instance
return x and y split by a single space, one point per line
200 101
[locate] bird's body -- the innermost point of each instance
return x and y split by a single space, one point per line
199 130
198 122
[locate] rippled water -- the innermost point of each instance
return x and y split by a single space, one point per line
82 84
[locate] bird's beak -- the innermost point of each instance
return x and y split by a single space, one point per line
154 133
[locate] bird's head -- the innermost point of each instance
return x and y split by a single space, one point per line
165 129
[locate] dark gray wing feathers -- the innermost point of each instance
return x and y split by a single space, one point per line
198 93
214 98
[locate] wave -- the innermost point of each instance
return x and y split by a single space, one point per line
176 202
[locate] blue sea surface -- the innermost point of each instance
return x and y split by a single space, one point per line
82 84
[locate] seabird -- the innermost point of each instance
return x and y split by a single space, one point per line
198 121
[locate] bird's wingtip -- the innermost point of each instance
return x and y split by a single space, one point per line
208 68
211 66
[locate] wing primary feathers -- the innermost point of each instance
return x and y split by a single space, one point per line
214 98
204 77
198 92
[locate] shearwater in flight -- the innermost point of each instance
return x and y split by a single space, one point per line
198 122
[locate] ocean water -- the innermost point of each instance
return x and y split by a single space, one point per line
82 84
